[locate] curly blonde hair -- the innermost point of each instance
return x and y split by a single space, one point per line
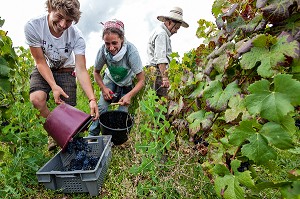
70 7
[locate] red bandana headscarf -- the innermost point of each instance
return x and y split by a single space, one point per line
114 24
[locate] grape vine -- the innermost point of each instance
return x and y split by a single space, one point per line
239 91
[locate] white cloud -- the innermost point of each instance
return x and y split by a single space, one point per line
139 18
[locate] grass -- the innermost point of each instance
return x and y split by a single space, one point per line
183 175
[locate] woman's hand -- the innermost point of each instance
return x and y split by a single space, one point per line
125 100
107 94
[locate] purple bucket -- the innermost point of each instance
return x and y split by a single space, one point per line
64 122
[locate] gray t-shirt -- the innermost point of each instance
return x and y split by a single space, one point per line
59 52
121 72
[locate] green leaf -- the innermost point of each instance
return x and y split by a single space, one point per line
146 165
286 86
5 84
221 170
221 62
268 55
277 135
195 119
273 105
198 91
291 191
243 177
217 98
267 184
228 187
288 123
204 28
4 69
236 107
246 129
250 26
218 6
258 150
1 22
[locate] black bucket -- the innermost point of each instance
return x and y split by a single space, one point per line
116 123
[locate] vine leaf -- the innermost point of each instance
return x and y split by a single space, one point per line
277 135
291 191
220 170
243 177
220 63
236 107
175 108
258 150
194 120
4 68
277 11
273 105
267 54
253 24
228 187
198 90
4 75
246 129
5 84
288 123
217 98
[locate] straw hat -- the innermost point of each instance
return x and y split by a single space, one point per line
174 14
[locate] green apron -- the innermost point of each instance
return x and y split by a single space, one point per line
118 73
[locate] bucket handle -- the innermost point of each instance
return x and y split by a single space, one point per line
127 119
115 103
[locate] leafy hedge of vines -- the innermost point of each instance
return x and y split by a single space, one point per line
240 91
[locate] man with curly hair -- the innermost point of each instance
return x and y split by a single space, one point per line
58 49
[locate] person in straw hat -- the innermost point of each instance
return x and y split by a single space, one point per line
159 48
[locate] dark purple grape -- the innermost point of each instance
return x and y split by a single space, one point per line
244 166
82 160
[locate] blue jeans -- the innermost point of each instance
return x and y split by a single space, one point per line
103 105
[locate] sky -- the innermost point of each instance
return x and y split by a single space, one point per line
139 18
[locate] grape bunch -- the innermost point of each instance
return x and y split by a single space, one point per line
200 145
200 140
82 160
78 144
297 123
244 166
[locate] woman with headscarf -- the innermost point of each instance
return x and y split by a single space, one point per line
123 64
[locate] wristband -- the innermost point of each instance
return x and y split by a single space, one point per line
93 99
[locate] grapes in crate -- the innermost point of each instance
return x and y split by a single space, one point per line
82 160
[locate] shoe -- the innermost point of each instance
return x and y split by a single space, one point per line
51 144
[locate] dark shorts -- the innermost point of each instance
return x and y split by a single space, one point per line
160 91
66 80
